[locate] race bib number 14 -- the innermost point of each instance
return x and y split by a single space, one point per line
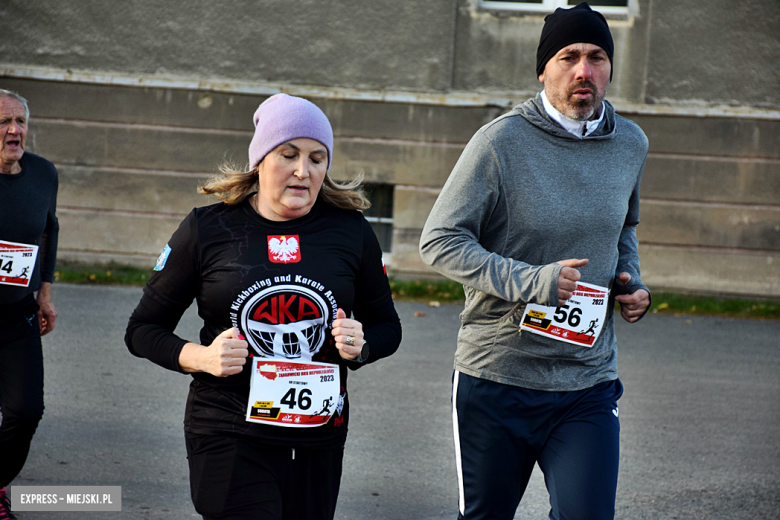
578 322
16 263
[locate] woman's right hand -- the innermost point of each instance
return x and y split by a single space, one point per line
225 356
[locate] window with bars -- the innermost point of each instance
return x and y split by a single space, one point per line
607 7
380 214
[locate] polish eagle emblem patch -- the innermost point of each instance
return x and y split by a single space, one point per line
284 249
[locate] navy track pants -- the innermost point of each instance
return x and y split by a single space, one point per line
501 431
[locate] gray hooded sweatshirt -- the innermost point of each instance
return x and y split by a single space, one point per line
524 195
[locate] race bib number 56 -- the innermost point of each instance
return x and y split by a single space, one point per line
578 322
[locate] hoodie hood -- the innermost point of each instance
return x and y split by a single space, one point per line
533 111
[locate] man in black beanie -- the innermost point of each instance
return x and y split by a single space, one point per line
574 61
538 222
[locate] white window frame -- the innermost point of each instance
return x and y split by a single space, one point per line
379 220
384 219
548 6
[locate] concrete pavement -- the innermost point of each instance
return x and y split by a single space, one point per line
700 419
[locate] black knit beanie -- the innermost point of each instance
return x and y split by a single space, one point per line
580 24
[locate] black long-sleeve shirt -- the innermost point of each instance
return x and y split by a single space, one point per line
28 205
241 268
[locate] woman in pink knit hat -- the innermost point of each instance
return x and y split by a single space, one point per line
289 281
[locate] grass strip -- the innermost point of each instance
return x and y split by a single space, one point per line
671 303
109 274
445 291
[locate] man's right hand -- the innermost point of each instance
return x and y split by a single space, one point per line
568 278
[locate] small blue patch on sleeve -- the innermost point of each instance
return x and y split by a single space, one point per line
163 258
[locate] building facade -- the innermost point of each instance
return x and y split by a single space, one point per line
138 102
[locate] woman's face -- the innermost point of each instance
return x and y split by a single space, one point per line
290 178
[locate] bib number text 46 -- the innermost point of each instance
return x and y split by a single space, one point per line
303 401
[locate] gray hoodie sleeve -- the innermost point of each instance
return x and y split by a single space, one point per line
628 248
466 232
628 245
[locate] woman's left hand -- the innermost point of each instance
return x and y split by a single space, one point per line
343 330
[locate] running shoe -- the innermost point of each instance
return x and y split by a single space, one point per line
5 506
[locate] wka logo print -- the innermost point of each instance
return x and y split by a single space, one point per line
286 321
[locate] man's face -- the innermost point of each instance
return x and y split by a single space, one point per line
13 132
576 80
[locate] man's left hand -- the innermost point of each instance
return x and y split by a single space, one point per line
47 315
632 306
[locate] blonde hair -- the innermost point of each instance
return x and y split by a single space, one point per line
235 184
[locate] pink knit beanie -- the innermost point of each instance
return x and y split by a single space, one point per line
281 118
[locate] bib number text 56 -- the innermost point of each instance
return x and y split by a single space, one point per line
564 314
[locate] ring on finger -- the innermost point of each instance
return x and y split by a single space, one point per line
350 341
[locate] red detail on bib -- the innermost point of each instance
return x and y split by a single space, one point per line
268 371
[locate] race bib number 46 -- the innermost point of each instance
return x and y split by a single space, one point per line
16 263
578 322
293 394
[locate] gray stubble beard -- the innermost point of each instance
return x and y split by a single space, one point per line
573 110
